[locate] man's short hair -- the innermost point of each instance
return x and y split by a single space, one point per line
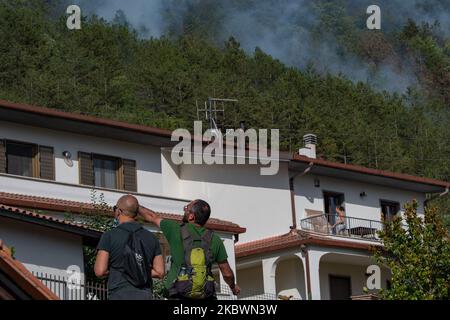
129 205
341 208
201 211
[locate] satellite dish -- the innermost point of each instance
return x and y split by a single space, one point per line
67 155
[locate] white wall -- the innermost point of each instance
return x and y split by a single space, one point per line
309 197
74 192
251 281
290 279
41 249
148 158
238 193
355 272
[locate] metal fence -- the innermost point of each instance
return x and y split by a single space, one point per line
224 293
352 227
98 291
65 290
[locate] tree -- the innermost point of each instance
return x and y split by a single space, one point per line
418 254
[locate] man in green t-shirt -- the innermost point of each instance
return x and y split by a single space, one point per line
196 214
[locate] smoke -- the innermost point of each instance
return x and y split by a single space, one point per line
297 32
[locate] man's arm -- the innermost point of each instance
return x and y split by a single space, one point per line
158 267
228 276
101 263
150 216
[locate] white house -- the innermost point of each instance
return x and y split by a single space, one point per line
276 229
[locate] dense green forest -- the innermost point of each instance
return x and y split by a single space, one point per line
107 69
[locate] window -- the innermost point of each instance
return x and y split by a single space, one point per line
331 201
340 287
107 172
20 158
389 209
26 159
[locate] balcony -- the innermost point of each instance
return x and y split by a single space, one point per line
352 227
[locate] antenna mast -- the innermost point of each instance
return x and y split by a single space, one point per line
214 112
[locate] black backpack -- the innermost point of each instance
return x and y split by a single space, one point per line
136 267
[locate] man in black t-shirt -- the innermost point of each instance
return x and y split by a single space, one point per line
110 256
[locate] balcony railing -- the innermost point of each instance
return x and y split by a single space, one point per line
351 227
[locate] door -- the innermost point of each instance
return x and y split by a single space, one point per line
389 209
331 201
340 287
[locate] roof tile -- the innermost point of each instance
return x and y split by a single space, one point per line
52 204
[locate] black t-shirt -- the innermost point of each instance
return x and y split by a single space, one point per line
114 241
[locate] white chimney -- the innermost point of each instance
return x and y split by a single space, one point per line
309 149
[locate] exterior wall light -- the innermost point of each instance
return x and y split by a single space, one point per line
363 194
316 183
67 155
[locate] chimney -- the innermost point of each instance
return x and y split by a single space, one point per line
309 149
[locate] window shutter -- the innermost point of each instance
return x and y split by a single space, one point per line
129 175
46 163
2 156
86 169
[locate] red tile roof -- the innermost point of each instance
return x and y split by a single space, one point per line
375 172
23 278
53 113
51 204
293 239
39 216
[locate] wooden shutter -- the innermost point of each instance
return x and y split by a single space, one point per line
129 175
46 163
2 156
86 169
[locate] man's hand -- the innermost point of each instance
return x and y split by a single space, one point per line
236 290
228 276
150 216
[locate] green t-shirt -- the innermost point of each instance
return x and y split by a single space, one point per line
172 232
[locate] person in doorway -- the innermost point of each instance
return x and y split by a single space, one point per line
339 226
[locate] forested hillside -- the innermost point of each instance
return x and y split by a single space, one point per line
110 70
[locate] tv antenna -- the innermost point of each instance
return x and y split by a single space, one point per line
214 112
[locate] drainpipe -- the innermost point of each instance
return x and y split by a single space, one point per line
291 188
304 249
425 204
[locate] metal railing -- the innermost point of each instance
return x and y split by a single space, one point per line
224 293
60 286
98 291
351 227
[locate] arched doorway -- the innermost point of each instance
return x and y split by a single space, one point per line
290 278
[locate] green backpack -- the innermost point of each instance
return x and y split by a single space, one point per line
195 279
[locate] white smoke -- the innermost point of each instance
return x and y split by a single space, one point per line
284 29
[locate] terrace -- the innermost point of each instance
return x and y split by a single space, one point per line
352 227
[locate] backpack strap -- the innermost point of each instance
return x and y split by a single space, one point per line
206 239
121 226
188 244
